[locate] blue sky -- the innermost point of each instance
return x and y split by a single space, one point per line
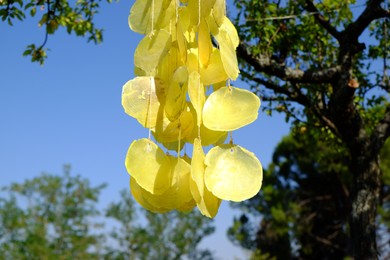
69 111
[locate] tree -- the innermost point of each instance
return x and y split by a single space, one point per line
306 59
304 205
57 216
50 216
173 235
76 17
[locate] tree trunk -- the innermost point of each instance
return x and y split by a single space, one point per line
365 198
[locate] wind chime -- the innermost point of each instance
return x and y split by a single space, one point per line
182 94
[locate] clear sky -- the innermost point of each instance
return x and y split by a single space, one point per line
69 111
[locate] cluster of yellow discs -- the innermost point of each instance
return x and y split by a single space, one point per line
182 94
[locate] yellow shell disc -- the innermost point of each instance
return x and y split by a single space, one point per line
196 92
230 108
167 131
140 18
208 137
233 173
168 65
175 101
219 11
178 195
207 203
141 99
228 26
204 43
174 146
215 71
184 18
151 49
149 166
228 53
138 192
181 42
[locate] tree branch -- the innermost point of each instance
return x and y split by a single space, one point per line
382 131
322 20
372 12
266 65
301 99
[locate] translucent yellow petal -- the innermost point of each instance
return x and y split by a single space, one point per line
207 203
205 9
168 65
142 98
180 75
197 170
192 60
219 85
179 194
204 43
151 49
219 11
187 207
212 25
228 54
193 8
208 137
186 158
149 166
230 108
140 18
184 18
181 42
167 131
175 101
196 92
138 192
215 71
228 26
173 146
233 173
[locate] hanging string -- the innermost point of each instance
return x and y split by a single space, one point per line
152 32
231 137
198 80
198 13
179 141
177 10
152 87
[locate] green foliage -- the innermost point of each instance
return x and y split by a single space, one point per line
49 216
173 235
313 61
302 211
58 217
289 35
77 17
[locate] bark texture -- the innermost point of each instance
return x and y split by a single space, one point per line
340 115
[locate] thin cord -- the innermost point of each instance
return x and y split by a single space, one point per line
179 141
152 17
297 15
198 76
148 117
